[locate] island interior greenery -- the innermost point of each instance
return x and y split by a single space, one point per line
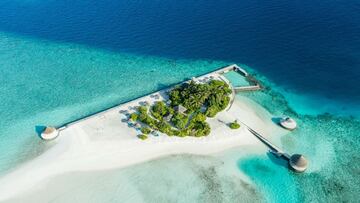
186 111
234 125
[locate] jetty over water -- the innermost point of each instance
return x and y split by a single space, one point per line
253 83
219 73
274 149
297 162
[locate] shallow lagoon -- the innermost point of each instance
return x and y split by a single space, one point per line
328 141
236 79
46 77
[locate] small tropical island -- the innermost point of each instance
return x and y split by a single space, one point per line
200 116
185 113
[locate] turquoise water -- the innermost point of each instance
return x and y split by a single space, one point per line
91 79
181 178
273 180
60 61
53 83
236 79
329 143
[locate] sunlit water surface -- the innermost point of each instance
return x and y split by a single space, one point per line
60 61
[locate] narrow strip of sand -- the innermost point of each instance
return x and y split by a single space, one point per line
105 141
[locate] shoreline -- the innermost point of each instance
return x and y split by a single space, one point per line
218 71
56 188
103 141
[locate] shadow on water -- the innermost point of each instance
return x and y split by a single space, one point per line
276 120
39 129
161 86
278 160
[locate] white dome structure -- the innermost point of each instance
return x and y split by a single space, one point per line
298 163
288 123
49 133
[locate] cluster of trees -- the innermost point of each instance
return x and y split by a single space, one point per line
214 96
160 110
200 100
182 124
143 136
145 130
180 120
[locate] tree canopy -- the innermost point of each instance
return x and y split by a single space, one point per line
200 100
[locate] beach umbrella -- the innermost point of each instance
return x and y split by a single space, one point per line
146 103
137 125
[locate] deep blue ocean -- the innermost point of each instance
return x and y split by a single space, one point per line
60 60
308 46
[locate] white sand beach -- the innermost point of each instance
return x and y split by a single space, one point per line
105 141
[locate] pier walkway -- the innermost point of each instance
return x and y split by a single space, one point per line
247 88
254 84
217 73
274 149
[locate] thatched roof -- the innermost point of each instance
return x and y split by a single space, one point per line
168 117
180 108
298 162
49 130
49 133
288 123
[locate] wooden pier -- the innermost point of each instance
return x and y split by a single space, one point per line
219 72
254 84
247 88
273 148
297 162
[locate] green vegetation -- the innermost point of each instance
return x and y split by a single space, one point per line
214 96
210 98
201 129
164 127
211 111
142 109
180 120
143 137
134 116
145 130
234 125
159 110
200 117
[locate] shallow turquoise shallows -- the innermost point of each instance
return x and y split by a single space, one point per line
47 83
51 83
236 79
61 60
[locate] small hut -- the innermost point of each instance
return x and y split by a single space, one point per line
180 109
49 133
298 163
137 125
146 103
288 123
154 133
